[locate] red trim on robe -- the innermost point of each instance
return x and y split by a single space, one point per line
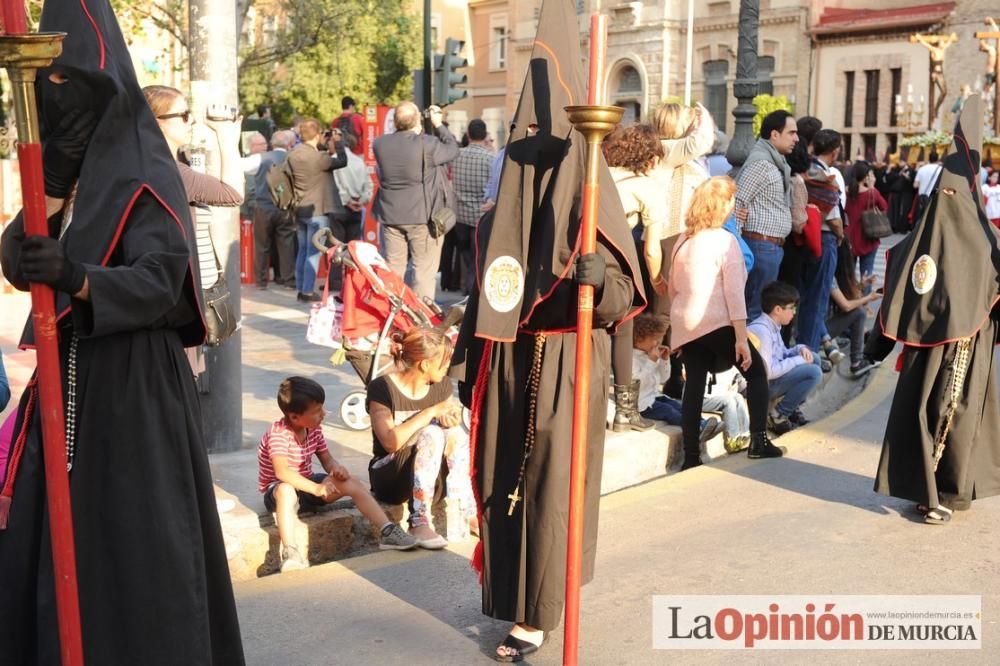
478 390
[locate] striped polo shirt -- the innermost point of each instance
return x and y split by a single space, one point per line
279 440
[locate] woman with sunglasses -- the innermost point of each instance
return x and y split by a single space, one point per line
176 121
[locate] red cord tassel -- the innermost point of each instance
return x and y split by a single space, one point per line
485 361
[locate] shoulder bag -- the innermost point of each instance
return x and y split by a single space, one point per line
442 220
875 223
217 309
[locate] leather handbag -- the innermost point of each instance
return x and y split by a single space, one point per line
443 219
441 222
874 223
220 319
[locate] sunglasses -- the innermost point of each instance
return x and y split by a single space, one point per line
184 115
793 307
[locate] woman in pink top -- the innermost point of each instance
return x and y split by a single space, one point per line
708 316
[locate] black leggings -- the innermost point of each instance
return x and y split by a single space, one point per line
621 354
715 352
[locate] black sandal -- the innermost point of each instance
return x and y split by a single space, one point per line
516 649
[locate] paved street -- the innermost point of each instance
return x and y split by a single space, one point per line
806 524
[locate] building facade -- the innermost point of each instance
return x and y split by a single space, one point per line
840 61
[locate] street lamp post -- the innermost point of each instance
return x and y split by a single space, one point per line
745 87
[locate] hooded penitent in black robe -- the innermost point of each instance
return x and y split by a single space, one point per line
941 292
526 301
151 565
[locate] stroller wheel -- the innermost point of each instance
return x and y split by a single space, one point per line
353 412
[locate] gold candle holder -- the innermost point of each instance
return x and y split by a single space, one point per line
23 56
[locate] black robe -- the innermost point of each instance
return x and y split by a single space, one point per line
524 565
942 286
153 577
526 250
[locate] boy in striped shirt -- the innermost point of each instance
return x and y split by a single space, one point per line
286 476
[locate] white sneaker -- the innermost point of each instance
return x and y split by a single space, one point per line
292 560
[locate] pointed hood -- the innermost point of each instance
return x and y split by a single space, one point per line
127 154
943 279
534 237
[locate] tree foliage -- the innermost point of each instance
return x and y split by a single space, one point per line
330 48
766 104
312 53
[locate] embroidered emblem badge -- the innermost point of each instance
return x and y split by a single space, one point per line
503 284
924 275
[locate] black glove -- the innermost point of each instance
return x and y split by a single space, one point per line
63 151
590 269
42 261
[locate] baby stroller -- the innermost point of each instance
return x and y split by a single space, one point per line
375 303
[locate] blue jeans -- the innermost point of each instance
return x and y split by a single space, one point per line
305 271
766 261
867 262
795 386
666 409
733 409
815 298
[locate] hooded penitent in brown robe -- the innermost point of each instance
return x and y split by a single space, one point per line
942 441
517 343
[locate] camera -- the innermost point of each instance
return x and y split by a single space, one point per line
222 112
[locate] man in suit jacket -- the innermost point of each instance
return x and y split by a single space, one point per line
271 222
311 165
413 183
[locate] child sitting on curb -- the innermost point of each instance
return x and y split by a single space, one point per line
792 373
723 397
286 478
651 366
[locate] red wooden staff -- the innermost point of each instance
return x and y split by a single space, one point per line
21 54
584 328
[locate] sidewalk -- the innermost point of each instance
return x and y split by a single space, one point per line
274 347
808 523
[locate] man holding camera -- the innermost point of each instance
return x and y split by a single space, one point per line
310 164
413 184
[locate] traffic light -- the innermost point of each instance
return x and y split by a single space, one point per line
445 75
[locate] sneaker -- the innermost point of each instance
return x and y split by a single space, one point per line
736 444
779 424
862 368
292 560
825 365
397 539
798 419
712 427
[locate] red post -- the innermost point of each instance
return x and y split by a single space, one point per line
43 318
584 328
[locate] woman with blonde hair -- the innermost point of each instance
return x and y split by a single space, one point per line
709 318
417 429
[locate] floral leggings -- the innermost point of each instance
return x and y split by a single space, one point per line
432 444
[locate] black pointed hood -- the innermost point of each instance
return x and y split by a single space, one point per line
943 279
534 237
127 154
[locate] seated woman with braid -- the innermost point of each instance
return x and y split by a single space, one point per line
418 433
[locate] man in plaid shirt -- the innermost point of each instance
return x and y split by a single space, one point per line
471 173
764 202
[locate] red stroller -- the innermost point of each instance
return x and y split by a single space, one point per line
375 302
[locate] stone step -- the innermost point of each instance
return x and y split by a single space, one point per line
339 530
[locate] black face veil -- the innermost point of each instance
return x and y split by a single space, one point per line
127 156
